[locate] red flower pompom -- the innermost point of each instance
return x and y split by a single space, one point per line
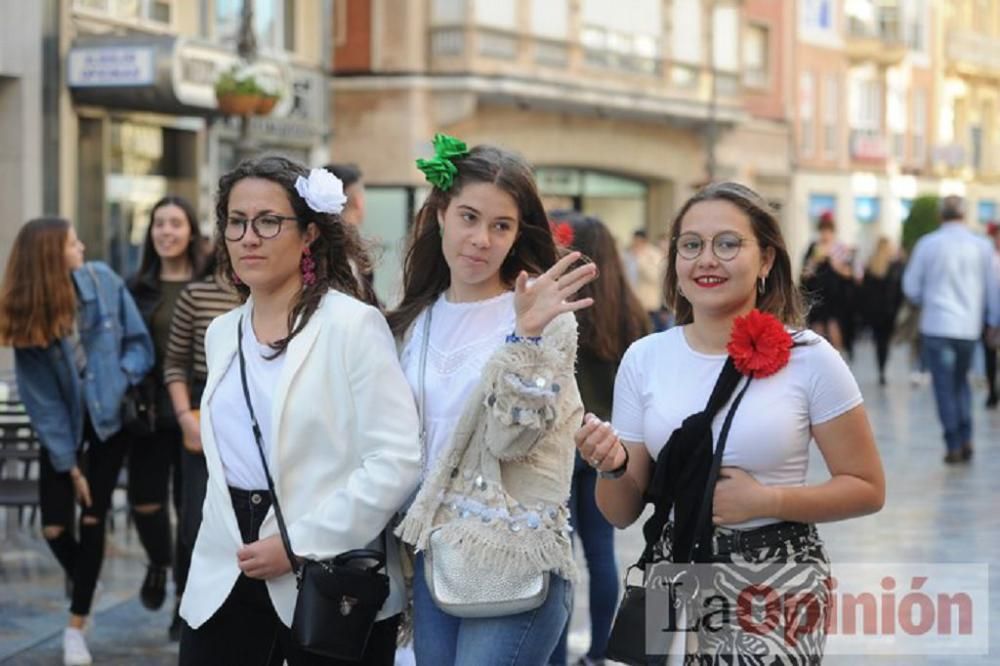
759 345
562 233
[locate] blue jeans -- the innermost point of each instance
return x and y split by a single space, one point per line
949 360
598 538
525 639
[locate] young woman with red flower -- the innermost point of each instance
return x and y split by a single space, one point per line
730 284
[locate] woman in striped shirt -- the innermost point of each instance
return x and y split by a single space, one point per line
184 373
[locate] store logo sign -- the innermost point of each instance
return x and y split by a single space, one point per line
110 66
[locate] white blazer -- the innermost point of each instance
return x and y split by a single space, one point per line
345 458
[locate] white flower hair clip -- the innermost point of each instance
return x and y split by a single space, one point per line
323 191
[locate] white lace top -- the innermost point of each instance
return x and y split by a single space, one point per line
463 337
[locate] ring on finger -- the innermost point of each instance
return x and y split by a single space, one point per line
594 462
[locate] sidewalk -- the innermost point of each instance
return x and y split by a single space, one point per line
934 513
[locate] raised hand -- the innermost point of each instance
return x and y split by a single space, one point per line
547 296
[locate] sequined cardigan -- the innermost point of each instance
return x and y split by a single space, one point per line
499 491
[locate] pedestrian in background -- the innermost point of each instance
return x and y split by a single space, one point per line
730 281
184 375
316 368
952 277
488 345
79 343
990 340
171 256
607 328
881 295
644 266
824 270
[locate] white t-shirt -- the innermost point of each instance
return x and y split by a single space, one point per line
662 381
231 418
463 336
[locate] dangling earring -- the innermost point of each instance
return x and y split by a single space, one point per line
235 278
308 267
762 285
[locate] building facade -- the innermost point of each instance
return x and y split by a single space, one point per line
138 116
623 113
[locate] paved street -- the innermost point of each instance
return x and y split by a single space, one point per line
934 513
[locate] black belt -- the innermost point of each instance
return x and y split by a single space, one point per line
767 536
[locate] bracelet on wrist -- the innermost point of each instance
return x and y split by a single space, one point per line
619 471
533 339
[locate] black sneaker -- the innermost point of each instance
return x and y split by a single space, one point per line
174 632
154 587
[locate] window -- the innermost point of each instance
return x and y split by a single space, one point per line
807 104
154 11
624 40
550 18
918 151
492 14
915 25
447 12
986 211
866 209
686 32
726 38
756 60
273 23
818 14
866 105
831 115
896 120
821 203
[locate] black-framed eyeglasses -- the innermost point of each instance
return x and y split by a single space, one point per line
725 245
265 225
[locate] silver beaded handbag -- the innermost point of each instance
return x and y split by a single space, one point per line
457 585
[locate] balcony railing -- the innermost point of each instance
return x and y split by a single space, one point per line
969 48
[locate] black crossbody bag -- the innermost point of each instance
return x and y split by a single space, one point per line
627 641
338 598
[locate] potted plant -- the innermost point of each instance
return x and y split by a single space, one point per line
239 94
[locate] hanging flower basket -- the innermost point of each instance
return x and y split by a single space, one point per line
238 104
239 94
266 104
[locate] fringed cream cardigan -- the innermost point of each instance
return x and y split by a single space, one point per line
500 489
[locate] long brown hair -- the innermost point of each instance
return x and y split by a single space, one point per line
425 271
149 269
337 250
616 319
780 297
37 299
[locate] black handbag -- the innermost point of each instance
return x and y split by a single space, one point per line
338 598
629 638
138 411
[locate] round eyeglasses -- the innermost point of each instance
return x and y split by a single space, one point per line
265 225
725 246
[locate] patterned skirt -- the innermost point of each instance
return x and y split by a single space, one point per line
757 607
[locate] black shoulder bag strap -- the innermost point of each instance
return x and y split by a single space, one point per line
296 567
704 525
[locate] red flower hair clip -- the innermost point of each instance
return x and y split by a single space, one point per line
759 345
562 233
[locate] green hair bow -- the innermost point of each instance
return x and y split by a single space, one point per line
440 170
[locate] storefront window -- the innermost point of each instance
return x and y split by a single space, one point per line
866 209
620 202
821 203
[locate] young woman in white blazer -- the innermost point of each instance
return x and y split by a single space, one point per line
323 376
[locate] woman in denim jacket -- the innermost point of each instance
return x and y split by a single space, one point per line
79 343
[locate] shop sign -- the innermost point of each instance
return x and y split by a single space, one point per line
111 66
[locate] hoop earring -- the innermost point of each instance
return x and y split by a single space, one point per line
762 285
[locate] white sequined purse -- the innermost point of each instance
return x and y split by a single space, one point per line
459 586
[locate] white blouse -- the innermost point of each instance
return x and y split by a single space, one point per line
463 336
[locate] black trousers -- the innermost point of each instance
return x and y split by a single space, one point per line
246 630
81 551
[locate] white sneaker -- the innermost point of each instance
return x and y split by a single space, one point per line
75 652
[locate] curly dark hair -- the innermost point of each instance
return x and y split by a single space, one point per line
425 271
339 253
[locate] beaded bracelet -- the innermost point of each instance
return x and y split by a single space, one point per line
533 339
